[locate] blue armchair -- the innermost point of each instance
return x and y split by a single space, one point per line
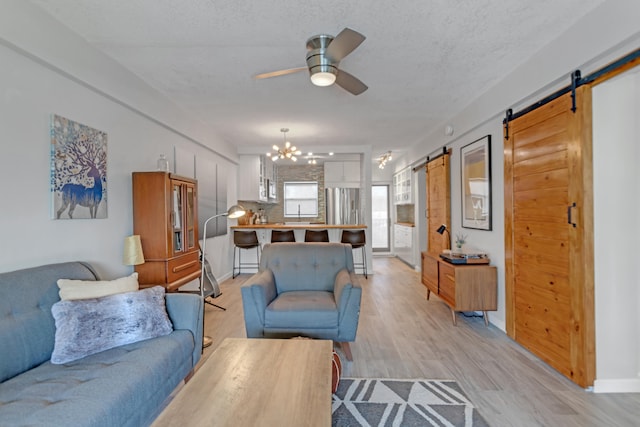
304 289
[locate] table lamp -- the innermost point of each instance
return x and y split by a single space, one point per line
441 230
132 254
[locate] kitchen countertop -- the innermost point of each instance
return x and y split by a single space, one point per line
406 224
281 226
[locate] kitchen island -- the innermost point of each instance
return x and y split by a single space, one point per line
264 230
335 234
300 225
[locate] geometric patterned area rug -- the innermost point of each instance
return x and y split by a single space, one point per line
372 402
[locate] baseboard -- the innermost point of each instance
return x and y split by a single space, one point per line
224 277
498 323
631 385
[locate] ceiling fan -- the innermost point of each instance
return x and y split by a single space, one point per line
324 53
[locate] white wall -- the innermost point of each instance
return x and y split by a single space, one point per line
616 156
45 70
608 32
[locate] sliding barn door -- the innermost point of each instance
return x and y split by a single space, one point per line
549 235
438 202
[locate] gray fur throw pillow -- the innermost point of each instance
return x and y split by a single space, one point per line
89 326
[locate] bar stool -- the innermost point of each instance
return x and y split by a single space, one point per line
244 240
316 236
282 236
357 239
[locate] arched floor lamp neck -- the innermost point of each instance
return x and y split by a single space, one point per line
235 211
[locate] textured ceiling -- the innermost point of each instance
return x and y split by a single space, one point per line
423 61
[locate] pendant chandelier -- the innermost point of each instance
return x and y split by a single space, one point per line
287 152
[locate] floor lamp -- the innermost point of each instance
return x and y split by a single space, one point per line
235 211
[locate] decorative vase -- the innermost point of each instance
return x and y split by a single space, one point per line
163 163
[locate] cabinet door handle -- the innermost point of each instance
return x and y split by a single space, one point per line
569 212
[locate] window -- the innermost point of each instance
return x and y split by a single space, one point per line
301 199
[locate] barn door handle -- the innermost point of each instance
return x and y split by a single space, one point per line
569 211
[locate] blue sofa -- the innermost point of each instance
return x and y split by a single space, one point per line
123 386
304 289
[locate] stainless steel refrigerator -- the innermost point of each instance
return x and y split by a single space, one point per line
342 205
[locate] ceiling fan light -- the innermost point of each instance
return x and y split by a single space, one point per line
323 78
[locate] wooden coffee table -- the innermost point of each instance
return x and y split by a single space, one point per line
257 382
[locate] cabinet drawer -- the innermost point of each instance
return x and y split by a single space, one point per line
182 266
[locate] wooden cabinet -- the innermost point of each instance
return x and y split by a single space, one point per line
463 287
342 174
429 273
166 218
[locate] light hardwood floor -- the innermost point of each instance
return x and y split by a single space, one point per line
402 335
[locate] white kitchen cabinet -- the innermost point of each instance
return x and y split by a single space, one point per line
403 186
342 174
252 183
404 243
270 177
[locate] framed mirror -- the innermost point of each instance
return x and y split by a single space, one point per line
475 169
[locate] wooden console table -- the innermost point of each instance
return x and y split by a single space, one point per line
463 287
257 382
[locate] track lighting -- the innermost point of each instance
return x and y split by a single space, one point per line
382 160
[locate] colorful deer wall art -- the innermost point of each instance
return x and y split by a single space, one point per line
78 170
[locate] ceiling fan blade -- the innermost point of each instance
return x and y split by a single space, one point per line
279 73
350 83
343 44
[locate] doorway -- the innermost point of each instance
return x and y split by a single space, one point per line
380 219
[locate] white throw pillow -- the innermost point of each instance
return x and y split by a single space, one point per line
84 289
